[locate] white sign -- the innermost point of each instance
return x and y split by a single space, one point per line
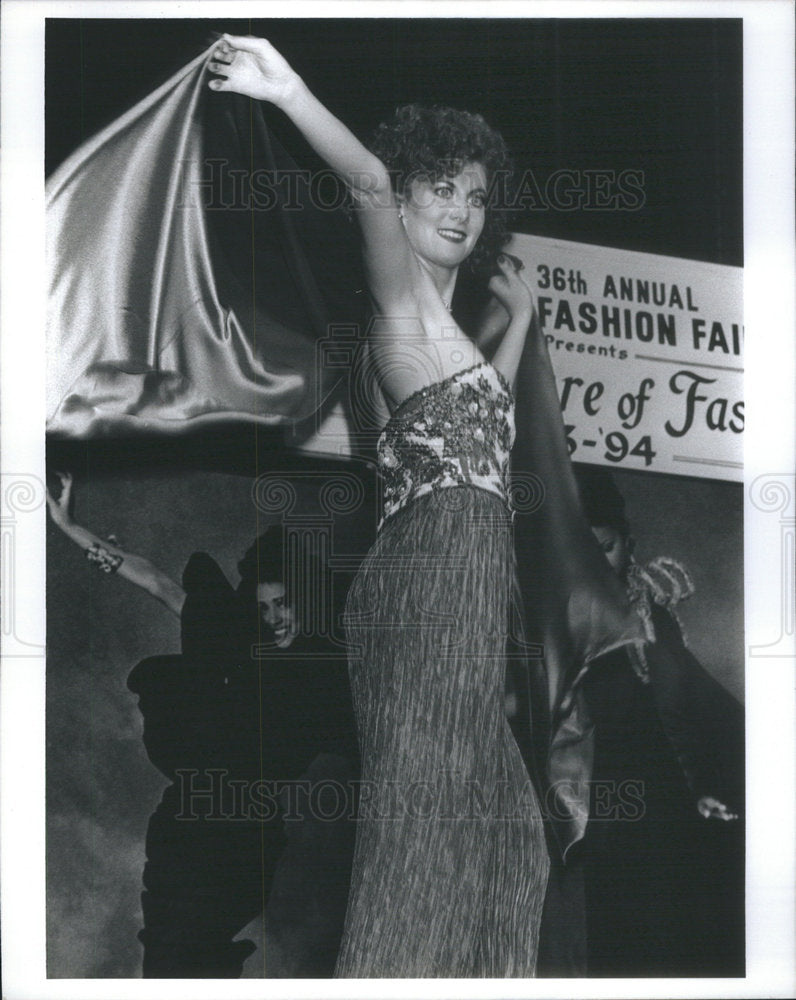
648 355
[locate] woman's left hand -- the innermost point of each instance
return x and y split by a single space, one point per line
511 290
253 67
711 808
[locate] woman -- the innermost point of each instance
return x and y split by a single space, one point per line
450 864
256 700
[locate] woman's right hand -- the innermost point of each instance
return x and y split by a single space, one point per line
511 290
60 508
253 67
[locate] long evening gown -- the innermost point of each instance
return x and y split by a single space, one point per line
450 865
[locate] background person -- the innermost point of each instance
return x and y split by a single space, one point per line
252 704
664 888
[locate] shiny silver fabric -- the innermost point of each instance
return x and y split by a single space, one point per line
141 334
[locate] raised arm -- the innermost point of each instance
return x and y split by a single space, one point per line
507 316
253 67
109 557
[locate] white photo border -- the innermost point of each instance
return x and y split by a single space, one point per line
770 372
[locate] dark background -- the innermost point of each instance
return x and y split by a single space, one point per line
662 97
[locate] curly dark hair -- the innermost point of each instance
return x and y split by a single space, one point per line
431 143
265 561
277 556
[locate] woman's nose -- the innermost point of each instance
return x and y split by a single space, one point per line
460 210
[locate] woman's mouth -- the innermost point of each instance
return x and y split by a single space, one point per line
453 235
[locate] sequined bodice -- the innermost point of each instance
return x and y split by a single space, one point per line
455 432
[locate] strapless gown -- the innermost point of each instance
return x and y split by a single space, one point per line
450 866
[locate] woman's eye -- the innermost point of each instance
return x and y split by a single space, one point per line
478 201
443 191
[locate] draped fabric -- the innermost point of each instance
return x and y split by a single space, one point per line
188 284
574 602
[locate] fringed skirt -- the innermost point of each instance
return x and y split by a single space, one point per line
450 866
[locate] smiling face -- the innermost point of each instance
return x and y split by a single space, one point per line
444 218
275 613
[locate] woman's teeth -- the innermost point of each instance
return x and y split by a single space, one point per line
454 235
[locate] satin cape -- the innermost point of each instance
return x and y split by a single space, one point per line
574 603
194 271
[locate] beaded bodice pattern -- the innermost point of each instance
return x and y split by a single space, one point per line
458 431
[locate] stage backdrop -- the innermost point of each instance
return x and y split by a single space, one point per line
647 351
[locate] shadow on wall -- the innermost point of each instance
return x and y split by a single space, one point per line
101 787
